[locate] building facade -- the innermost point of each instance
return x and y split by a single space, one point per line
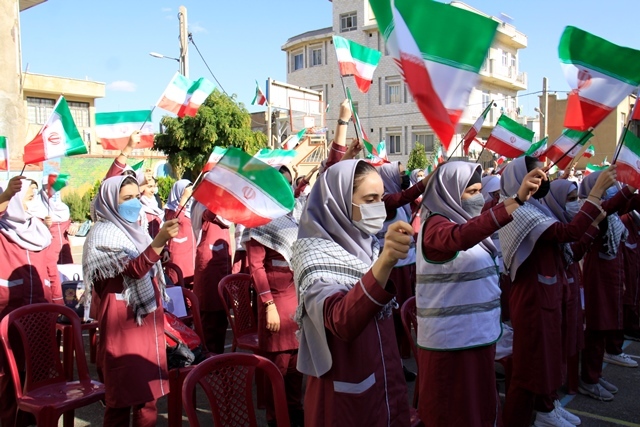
388 111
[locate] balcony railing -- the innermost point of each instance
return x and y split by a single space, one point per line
492 68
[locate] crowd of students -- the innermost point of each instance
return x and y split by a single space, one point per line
477 252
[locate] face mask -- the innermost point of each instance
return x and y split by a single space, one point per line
543 190
372 218
406 182
572 208
611 191
130 210
473 205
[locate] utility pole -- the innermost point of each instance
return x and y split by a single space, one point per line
183 37
544 122
268 117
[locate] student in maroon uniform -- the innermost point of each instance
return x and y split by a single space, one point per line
150 207
183 247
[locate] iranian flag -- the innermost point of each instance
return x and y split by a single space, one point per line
629 161
537 149
357 61
570 142
58 137
137 166
56 182
114 129
376 154
509 138
593 168
600 73
294 140
635 113
590 152
260 98
214 158
183 97
4 154
277 157
440 75
245 190
473 132
439 156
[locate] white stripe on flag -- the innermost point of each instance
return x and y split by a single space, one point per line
600 88
510 138
364 70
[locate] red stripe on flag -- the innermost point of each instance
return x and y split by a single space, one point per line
146 141
34 150
583 114
553 153
471 135
627 174
502 148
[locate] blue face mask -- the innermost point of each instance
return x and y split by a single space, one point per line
611 192
130 210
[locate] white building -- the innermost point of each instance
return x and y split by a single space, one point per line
387 111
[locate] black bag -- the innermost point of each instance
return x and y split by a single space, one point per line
180 356
73 297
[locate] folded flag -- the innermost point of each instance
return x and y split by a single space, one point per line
570 142
58 137
473 132
260 98
114 129
440 75
183 97
600 73
501 160
356 60
56 182
376 154
593 168
537 149
214 158
277 157
245 190
590 152
138 166
628 171
4 154
294 140
509 138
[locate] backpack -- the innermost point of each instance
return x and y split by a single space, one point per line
184 347
73 297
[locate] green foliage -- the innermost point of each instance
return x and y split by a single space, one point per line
220 121
78 205
164 187
417 158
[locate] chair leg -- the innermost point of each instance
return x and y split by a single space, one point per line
93 344
174 400
67 352
68 419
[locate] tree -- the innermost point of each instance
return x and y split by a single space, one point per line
417 158
220 121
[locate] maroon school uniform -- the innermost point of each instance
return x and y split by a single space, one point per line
182 247
154 223
60 242
631 255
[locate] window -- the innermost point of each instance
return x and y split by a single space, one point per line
505 59
393 144
425 139
39 109
297 60
80 113
393 93
486 99
348 22
316 56
623 119
513 61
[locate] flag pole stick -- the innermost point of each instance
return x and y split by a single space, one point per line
624 133
195 184
490 105
580 141
23 168
344 88
454 150
480 155
148 117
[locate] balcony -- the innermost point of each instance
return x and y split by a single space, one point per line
509 77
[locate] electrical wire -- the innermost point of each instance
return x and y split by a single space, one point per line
205 63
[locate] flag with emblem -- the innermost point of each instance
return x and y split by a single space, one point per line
473 132
509 138
214 158
440 75
593 168
58 137
114 129
357 61
570 142
276 157
294 140
56 182
260 97
4 154
375 154
537 149
183 97
628 171
245 190
590 152
600 74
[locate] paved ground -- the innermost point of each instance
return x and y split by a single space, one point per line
624 410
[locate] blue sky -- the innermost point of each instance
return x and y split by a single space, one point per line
110 40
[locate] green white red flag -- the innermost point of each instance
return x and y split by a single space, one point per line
439 156
183 97
294 140
440 75
4 154
114 129
570 142
509 138
590 152
628 171
260 97
276 157
56 182
473 132
375 154
58 137
137 166
600 73
245 190
593 168
356 60
537 149
214 158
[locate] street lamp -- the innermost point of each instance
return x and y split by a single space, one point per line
159 55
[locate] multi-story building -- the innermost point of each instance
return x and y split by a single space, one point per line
388 111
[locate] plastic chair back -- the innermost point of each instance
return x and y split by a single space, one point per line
173 274
227 380
235 293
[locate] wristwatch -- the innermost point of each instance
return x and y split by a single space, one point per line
342 122
517 199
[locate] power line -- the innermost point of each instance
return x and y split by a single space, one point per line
205 63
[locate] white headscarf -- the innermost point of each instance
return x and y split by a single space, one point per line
21 227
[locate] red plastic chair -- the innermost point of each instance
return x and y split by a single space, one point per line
174 274
235 293
227 380
45 392
409 321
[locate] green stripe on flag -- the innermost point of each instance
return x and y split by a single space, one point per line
582 48
576 135
594 168
137 116
74 144
3 142
62 180
358 52
515 128
138 165
535 146
632 142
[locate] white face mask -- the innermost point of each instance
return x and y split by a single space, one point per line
473 205
572 208
372 217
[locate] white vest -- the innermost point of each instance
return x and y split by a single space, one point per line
401 215
458 301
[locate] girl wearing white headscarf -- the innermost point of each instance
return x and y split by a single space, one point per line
604 284
24 278
534 259
183 247
347 338
122 264
150 207
458 297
